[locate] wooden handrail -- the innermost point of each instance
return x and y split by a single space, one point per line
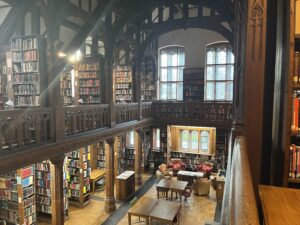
239 204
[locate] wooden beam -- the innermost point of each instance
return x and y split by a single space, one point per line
71 25
7 28
21 157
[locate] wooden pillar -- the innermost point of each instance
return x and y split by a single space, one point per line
110 204
138 156
254 82
138 74
57 192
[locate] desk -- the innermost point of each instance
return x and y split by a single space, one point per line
95 176
173 185
280 205
189 176
154 210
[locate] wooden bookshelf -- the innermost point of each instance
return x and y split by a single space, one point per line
148 81
28 64
128 158
101 156
43 190
193 84
293 168
159 155
17 197
79 171
122 84
146 147
3 78
119 147
89 72
66 87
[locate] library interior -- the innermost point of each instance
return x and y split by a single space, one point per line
149 112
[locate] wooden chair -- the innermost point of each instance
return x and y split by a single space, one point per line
187 194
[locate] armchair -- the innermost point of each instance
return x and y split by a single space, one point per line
202 186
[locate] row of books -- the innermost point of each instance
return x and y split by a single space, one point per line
26 101
26 78
296 78
25 56
295 116
123 80
123 97
90 99
26 89
123 86
88 66
294 158
89 83
124 91
90 90
88 75
66 84
26 67
24 43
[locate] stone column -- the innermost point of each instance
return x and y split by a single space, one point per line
110 204
138 156
57 193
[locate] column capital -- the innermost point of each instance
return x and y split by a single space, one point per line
58 159
111 141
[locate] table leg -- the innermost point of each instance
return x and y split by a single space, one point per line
171 195
167 195
157 194
129 218
94 186
176 195
147 220
180 197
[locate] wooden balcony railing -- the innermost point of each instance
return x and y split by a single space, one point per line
239 205
196 113
79 119
126 112
24 127
147 109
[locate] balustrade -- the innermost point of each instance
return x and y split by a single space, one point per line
126 112
79 119
24 127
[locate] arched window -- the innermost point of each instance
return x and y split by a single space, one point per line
171 65
219 72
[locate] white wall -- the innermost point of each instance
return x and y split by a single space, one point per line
194 41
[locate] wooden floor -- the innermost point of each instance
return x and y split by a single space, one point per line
201 210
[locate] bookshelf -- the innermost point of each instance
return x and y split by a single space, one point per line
128 158
66 87
43 190
17 197
148 88
79 171
119 147
159 155
3 79
146 147
122 84
89 72
148 82
101 156
193 84
293 166
28 63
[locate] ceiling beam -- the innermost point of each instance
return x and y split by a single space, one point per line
7 28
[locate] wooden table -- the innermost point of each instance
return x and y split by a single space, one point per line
95 176
176 186
189 176
280 205
154 210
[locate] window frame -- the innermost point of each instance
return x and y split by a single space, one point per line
179 68
227 81
129 138
199 149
